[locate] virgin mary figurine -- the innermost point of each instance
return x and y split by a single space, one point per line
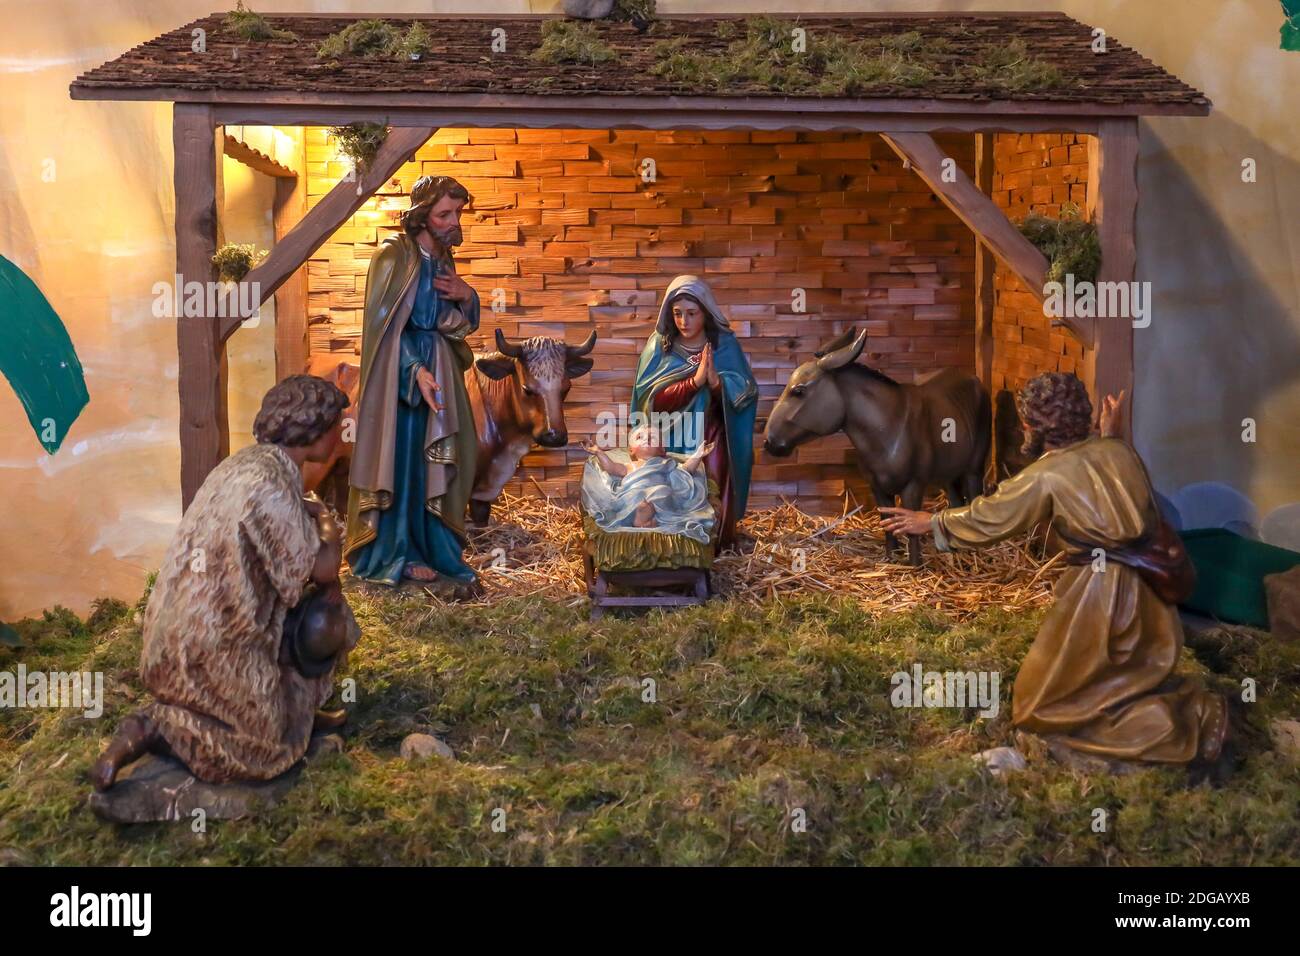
693 366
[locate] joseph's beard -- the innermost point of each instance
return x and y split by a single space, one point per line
450 238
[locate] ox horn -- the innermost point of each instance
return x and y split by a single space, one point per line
505 348
577 350
846 355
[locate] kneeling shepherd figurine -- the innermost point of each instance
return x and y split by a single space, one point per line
246 623
1098 678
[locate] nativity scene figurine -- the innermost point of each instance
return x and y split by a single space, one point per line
413 466
246 623
1099 678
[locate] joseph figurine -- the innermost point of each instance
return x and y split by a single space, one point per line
1099 678
413 465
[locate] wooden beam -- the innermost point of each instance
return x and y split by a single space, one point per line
401 108
291 297
794 115
204 435
985 293
1113 199
981 215
333 210
255 159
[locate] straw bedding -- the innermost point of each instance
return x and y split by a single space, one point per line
534 548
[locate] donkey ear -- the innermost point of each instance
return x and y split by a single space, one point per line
844 356
578 367
495 365
837 343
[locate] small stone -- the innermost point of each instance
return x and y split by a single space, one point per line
1286 738
420 746
1002 760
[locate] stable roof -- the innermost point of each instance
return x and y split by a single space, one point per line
461 68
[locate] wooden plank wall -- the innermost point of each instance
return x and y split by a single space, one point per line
564 225
1034 173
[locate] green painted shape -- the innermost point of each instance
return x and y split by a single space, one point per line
38 358
1291 35
1291 28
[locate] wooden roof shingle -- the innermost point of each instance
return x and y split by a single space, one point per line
461 63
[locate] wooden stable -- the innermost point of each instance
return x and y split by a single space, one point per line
244 86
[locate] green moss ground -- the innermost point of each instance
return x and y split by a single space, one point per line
760 711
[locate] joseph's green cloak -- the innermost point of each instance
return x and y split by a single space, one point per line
450 443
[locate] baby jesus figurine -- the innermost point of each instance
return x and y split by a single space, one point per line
652 491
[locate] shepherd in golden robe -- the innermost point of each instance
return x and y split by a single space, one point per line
1099 677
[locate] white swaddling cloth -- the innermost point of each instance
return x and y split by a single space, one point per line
681 498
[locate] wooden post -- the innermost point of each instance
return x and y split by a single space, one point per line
1113 198
984 268
204 432
291 298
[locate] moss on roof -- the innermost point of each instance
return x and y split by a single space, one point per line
954 57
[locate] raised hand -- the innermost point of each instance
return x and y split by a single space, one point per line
606 463
697 456
1110 422
452 286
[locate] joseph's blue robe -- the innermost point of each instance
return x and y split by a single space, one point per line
408 533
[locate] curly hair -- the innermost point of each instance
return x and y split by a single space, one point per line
425 195
298 411
1056 409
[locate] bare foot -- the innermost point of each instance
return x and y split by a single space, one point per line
418 572
644 516
135 736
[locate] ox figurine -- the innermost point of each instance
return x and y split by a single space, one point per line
934 434
347 376
517 393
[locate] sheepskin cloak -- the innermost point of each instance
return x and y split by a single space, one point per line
240 560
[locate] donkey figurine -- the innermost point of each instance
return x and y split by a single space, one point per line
934 434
